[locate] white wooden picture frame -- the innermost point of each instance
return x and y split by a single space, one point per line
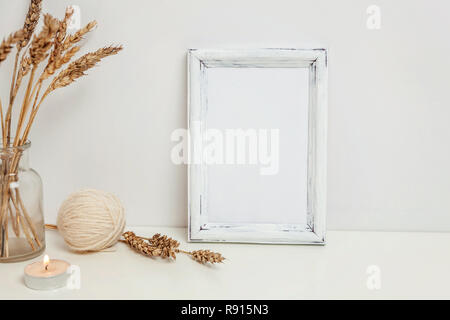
208 202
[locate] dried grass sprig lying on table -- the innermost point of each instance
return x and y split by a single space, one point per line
166 247
31 20
163 241
55 47
204 256
141 245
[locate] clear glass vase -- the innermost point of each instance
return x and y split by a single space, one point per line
22 234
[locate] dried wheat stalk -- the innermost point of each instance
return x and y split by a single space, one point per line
78 36
41 44
77 68
55 59
24 68
163 241
5 48
55 47
140 245
166 244
74 71
167 247
7 44
31 20
204 256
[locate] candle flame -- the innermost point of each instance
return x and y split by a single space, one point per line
46 261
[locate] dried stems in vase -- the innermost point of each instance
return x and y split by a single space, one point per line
52 48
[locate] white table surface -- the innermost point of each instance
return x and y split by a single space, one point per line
411 265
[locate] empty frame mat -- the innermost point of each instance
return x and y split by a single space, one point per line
257 124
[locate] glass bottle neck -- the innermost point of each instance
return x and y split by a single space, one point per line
14 159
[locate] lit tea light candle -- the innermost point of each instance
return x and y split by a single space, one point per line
47 274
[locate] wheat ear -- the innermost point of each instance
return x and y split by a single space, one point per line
140 245
5 48
3 124
167 245
78 36
42 43
8 43
31 20
38 52
77 68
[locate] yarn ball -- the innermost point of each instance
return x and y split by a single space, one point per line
91 220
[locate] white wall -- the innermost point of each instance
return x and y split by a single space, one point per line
389 150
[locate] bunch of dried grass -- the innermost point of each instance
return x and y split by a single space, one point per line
166 247
55 47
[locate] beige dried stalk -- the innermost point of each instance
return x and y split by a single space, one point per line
166 244
24 69
78 36
5 48
140 245
77 68
166 247
41 44
163 241
7 44
65 58
204 256
31 20
55 60
73 71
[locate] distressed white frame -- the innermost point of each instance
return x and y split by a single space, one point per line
199 229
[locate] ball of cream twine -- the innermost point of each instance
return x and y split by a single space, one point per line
91 220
